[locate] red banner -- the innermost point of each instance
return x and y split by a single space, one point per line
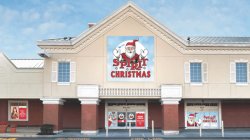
140 119
22 113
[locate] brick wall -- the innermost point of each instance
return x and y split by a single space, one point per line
154 113
3 110
72 114
170 119
236 113
181 115
35 113
89 119
101 115
53 115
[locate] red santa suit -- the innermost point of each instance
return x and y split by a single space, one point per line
134 59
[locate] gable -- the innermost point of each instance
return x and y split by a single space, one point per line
128 27
125 14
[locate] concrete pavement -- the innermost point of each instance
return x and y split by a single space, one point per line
31 132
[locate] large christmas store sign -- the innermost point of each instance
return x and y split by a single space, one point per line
130 58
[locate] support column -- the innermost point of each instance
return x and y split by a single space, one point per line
170 97
89 97
53 113
89 116
170 117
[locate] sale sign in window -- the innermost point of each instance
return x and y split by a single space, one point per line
140 119
22 112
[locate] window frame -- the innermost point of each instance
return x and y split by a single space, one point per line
247 65
58 82
18 101
196 83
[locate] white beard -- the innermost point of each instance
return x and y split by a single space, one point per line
130 54
190 121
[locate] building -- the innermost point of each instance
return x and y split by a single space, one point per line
129 69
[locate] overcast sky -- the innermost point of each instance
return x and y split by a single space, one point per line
23 22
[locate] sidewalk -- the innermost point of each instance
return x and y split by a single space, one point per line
187 134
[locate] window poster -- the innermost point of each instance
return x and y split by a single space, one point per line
131 119
18 111
140 119
121 119
112 119
208 119
130 58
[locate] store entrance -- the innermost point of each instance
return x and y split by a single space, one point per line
120 115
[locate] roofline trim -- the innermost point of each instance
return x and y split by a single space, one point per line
14 66
105 20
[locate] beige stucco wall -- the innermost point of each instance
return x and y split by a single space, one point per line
168 68
19 83
218 85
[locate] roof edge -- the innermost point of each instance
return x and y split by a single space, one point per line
14 66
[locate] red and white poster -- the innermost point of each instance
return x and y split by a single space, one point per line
140 119
22 112
121 119
112 119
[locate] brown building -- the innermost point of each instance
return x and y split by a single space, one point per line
129 69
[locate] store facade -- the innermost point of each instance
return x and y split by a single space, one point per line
125 72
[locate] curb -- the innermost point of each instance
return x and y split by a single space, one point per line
107 138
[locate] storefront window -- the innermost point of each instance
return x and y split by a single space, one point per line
206 119
123 114
122 119
202 114
18 111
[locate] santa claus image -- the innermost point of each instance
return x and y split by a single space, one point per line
191 120
109 121
111 118
129 54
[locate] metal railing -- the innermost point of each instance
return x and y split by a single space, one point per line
221 127
130 92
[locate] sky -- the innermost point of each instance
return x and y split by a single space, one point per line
24 22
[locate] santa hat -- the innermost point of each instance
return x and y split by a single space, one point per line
191 115
131 44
